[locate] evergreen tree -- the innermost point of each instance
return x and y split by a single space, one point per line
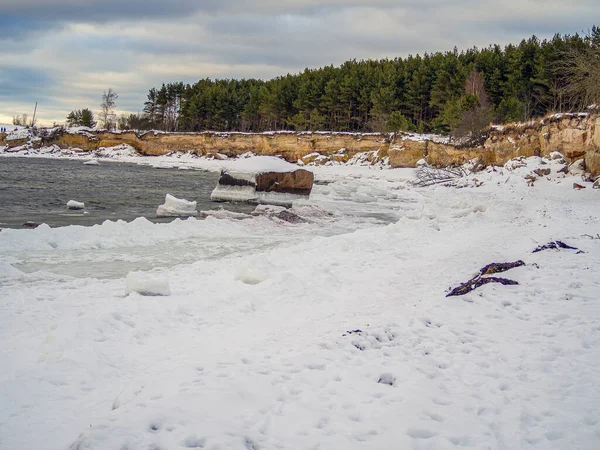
81 118
427 92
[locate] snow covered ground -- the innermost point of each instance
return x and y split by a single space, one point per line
330 333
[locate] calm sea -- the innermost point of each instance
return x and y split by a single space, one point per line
38 190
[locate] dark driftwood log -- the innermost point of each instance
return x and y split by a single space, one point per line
476 282
500 267
480 280
554 245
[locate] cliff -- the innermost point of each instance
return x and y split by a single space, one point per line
574 135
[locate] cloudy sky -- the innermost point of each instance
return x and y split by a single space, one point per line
65 53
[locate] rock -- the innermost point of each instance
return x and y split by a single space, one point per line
596 184
278 212
592 160
263 179
577 168
564 169
542 172
578 186
530 179
315 158
299 182
30 224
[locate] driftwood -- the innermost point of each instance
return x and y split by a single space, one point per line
480 280
554 245
428 176
500 267
476 282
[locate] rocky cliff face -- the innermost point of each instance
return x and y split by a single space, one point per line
574 135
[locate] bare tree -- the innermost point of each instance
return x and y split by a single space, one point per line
20 120
581 67
476 112
107 114
475 86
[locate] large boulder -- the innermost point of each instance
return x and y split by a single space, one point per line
263 179
592 162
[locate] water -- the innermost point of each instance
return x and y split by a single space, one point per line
38 190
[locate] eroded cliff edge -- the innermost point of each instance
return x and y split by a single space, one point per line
574 135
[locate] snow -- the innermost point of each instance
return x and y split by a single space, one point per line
74 204
146 284
333 333
176 207
91 162
14 132
260 164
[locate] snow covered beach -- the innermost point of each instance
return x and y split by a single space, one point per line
333 332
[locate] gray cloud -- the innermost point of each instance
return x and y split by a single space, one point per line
66 52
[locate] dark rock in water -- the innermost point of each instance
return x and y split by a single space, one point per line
290 217
227 180
30 224
269 187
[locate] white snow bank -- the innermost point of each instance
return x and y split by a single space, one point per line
146 284
347 342
260 164
73 204
176 207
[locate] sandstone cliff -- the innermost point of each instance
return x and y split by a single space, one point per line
574 135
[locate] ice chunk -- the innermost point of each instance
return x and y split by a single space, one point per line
225 193
146 284
251 275
91 162
176 207
73 204
277 198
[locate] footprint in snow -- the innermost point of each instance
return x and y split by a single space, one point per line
420 434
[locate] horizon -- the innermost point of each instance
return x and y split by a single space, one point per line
65 57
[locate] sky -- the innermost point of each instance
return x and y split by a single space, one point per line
64 54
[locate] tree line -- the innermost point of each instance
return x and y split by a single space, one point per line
451 92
